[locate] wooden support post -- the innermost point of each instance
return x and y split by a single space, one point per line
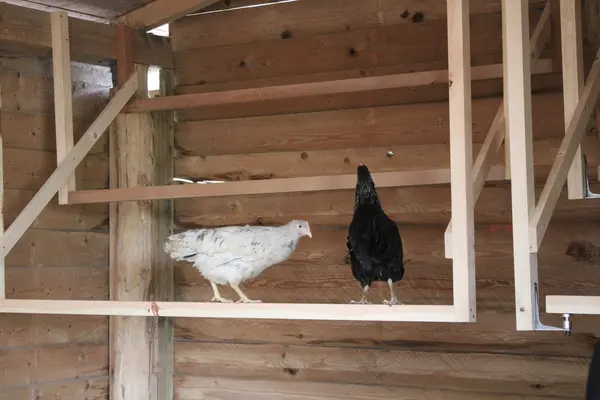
124 52
461 159
143 347
573 79
517 108
63 99
496 133
2 265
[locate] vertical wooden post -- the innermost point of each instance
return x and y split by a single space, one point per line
63 99
2 265
517 111
461 160
143 347
573 81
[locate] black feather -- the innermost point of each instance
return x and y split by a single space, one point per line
374 242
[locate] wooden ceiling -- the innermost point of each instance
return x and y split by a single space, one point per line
103 9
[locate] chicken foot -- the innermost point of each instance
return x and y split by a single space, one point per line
393 300
243 297
217 296
363 299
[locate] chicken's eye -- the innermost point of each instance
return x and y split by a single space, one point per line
299 226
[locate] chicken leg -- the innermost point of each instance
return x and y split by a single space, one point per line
363 299
243 297
393 300
217 296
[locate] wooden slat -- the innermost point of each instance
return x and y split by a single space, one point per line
307 17
284 185
36 131
55 216
371 127
40 247
221 388
186 101
479 373
28 31
159 12
41 330
28 170
49 364
58 283
341 51
492 333
286 164
409 205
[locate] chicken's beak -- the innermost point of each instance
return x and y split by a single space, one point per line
308 233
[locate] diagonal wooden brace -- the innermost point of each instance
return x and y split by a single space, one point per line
67 166
564 158
495 136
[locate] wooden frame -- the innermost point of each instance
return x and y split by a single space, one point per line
464 306
496 134
530 221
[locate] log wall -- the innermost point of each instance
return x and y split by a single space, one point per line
311 40
65 253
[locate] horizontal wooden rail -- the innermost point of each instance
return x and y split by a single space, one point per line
266 186
573 305
286 311
195 100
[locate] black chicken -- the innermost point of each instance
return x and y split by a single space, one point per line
373 241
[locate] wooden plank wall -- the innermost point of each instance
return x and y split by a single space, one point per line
65 253
312 40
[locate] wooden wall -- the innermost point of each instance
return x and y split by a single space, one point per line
65 253
311 40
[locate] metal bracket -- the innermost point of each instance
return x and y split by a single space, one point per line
539 326
586 182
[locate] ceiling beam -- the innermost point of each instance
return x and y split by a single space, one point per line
161 12
26 31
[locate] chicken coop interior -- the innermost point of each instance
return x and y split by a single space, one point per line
182 183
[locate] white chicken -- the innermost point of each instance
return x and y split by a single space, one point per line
233 254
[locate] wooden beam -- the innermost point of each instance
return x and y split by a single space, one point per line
195 100
124 52
517 108
286 311
264 186
144 151
496 133
461 159
588 305
63 99
2 258
160 12
66 167
558 174
573 80
27 31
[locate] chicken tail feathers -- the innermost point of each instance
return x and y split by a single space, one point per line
177 248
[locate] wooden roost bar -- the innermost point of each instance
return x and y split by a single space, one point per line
474 116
